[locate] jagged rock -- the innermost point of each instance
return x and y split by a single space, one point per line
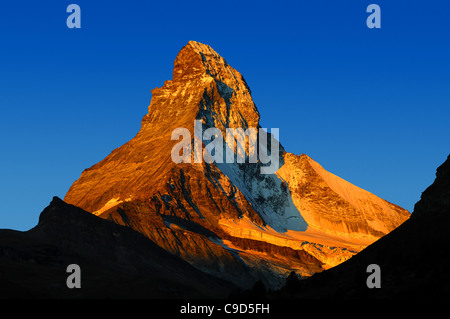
203 212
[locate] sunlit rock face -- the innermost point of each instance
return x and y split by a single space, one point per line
229 219
410 258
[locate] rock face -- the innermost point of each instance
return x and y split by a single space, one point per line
332 205
228 218
412 258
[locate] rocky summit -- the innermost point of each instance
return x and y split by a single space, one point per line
228 218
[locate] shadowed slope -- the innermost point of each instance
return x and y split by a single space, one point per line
115 261
413 258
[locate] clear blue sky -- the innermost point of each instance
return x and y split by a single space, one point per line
371 105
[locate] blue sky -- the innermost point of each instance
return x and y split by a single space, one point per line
370 105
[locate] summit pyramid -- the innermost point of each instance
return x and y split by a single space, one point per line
229 218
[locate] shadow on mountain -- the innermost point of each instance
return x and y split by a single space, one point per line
115 261
413 258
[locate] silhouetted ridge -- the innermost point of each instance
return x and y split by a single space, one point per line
413 258
436 198
115 261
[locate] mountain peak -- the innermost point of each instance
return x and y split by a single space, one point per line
186 207
196 59
190 61
200 47
204 86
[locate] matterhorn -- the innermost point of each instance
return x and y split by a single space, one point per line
258 215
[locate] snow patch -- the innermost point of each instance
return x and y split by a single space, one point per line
268 194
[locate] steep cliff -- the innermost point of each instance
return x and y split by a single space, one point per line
266 211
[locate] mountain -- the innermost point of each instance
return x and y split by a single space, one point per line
413 258
115 261
264 213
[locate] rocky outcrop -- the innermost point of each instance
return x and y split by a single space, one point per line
204 211
412 258
436 198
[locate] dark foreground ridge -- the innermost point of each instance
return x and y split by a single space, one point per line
413 258
118 262
115 261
